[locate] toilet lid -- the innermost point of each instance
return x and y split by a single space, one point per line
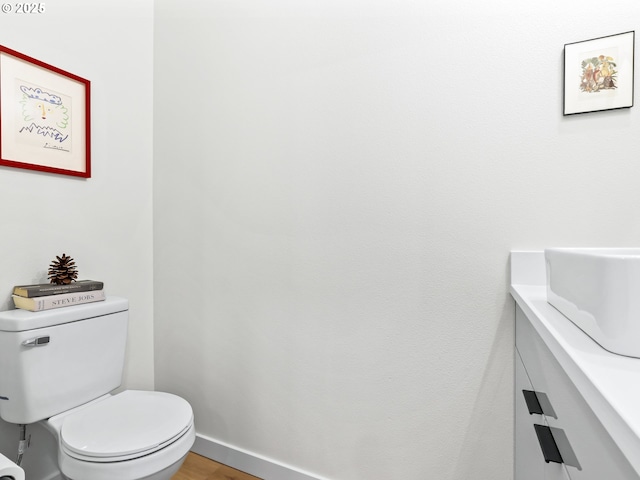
127 424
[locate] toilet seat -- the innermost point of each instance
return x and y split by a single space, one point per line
125 426
151 466
100 440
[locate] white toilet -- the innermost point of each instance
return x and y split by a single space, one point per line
58 367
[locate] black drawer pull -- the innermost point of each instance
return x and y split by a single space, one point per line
533 404
548 444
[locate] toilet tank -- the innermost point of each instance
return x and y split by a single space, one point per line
54 360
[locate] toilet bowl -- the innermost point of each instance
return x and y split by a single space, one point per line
132 435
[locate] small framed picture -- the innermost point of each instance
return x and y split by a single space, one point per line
45 121
598 74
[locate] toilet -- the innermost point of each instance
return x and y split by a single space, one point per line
60 368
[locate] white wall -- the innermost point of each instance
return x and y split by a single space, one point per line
338 185
105 222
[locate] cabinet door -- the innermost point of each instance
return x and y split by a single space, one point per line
529 462
587 449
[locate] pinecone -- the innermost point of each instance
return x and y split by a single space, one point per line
63 271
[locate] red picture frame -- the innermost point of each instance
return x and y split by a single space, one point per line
45 116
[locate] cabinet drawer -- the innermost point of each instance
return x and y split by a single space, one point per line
587 448
529 462
529 459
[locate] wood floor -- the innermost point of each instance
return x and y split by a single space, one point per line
196 467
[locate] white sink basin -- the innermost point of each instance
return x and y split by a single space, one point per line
598 289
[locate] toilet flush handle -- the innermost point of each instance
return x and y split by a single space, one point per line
37 342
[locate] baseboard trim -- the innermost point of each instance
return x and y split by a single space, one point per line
248 462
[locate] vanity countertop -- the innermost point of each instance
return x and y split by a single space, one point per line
609 383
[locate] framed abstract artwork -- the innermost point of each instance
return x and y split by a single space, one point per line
598 74
45 121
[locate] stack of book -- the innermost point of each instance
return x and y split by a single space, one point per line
45 296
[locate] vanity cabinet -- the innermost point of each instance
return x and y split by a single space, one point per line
587 450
